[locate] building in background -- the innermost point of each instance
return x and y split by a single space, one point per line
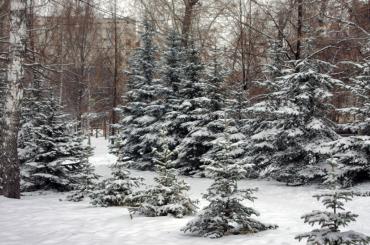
83 51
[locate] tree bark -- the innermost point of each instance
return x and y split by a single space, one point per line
13 99
187 20
4 32
299 30
115 74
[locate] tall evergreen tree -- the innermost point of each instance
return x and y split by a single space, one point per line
172 67
201 107
169 194
277 56
352 152
33 105
226 213
237 103
172 76
360 88
143 107
333 218
292 121
352 155
231 133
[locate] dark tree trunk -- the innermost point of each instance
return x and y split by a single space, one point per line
10 162
187 20
299 30
115 74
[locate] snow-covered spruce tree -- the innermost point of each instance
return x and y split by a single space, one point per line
352 155
226 213
172 67
360 87
277 56
231 133
143 107
60 160
334 217
84 175
86 184
183 120
201 107
119 190
292 121
33 105
237 102
172 75
352 152
169 194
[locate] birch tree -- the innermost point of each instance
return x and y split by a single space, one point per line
13 97
4 8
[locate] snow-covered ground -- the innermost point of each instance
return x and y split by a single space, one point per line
45 218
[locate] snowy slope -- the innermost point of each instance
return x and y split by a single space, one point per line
44 218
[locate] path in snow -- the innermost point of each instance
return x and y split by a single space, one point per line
45 219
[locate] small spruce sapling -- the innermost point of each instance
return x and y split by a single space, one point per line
85 174
334 217
119 190
87 183
226 213
169 194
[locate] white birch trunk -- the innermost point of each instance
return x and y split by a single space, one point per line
13 98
